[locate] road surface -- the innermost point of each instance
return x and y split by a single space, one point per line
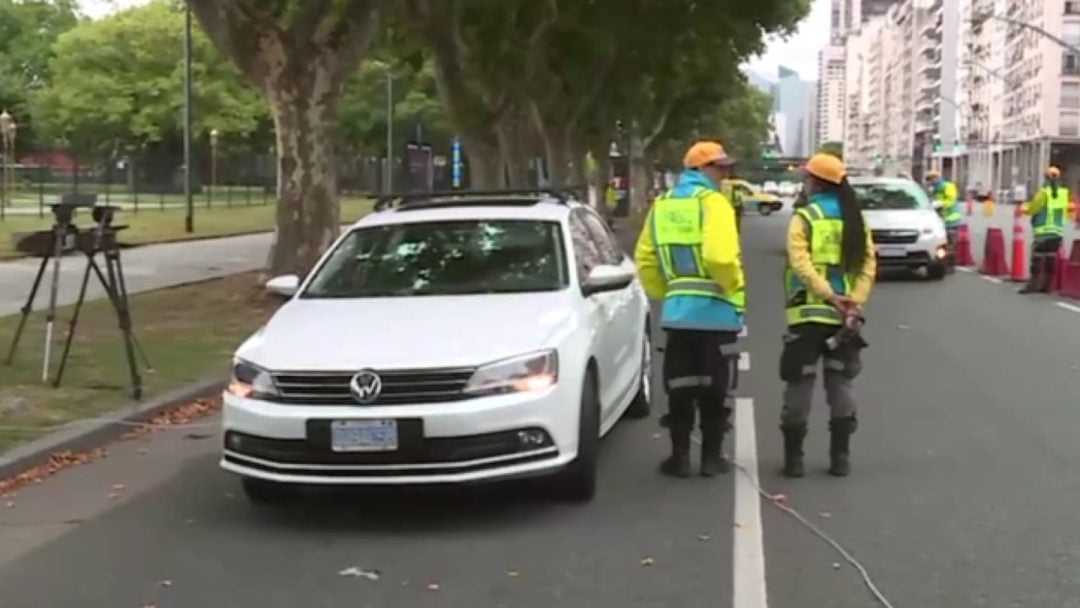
964 492
145 268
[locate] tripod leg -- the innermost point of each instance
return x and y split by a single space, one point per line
71 328
50 318
26 310
125 325
122 294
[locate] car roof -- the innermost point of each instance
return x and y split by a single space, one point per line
418 209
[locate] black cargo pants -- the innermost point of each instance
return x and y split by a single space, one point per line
1044 263
697 375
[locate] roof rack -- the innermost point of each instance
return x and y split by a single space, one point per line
419 200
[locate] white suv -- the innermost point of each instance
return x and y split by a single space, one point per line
907 230
445 339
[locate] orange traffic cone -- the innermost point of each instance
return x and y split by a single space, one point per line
1018 272
963 246
993 262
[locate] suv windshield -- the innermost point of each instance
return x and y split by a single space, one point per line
891 195
444 258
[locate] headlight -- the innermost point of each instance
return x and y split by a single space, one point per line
251 381
526 373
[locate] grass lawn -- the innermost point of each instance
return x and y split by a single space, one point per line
189 333
153 225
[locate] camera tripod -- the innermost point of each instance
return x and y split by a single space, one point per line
51 246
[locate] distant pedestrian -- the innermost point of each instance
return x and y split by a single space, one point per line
1048 210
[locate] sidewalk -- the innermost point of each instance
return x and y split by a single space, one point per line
145 268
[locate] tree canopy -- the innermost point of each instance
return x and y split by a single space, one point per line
516 80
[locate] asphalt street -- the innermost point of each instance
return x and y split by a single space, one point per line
963 494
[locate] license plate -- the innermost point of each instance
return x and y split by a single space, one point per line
887 251
363 435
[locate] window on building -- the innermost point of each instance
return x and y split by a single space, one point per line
1070 95
1070 63
1072 7
1069 124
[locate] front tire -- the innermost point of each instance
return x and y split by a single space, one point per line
641 406
578 482
937 272
764 208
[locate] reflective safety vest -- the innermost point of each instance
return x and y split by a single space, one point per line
826 232
693 300
1050 220
946 193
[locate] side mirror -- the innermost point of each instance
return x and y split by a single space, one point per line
607 277
285 285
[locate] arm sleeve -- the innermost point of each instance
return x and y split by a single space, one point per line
798 250
1036 204
864 283
721 253
648 265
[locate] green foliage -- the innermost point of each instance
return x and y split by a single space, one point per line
834 148
28 29
120 80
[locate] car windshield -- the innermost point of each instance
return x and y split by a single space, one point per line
444 258
891 195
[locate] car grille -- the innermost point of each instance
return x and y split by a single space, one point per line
416 386
895 237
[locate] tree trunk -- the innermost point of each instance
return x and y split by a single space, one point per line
639 180
483 162
511 134
601 179
575 171
308 214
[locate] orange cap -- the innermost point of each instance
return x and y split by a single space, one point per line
706 153
1053 172
932 173
826 167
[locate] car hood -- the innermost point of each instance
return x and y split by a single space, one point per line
901 219
395 333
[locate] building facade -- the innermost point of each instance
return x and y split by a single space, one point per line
832 76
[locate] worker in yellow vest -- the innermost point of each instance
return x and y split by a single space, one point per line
829 276
688 257
1048 210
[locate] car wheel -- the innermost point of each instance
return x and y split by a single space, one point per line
641 406
262 492
578 481
936 272
764 208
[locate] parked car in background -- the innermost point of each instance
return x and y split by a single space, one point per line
755 198
771 187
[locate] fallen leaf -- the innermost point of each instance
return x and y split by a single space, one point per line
657 436
512 573
902 326
143 451
118 487
836 565
230 495
433 586
10 504
190 521
112 495
780 499
704 537
825 514
371 575
166 583
648 561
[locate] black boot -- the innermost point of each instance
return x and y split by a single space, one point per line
794 434
713 462
678 464
840 430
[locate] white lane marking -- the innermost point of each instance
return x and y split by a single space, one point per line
1071 307
748 551
744 362
986 277
745 332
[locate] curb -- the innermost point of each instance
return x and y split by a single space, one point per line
80 436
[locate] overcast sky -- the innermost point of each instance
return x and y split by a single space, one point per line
799 52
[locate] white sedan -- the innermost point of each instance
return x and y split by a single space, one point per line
445 340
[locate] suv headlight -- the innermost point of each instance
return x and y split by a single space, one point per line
251 381
525 373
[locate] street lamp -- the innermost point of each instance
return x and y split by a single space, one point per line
389 171
7 134
214 134
189 200
981 18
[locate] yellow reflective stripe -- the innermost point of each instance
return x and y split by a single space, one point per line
814 313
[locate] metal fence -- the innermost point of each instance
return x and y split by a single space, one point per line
156 182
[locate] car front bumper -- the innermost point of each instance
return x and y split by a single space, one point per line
928 250
474 440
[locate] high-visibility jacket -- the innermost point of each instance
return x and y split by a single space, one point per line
945 191
688 255
1048 218
813 273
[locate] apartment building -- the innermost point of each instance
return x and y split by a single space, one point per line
832 75
1023 91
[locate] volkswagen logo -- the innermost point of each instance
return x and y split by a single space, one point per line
365 386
